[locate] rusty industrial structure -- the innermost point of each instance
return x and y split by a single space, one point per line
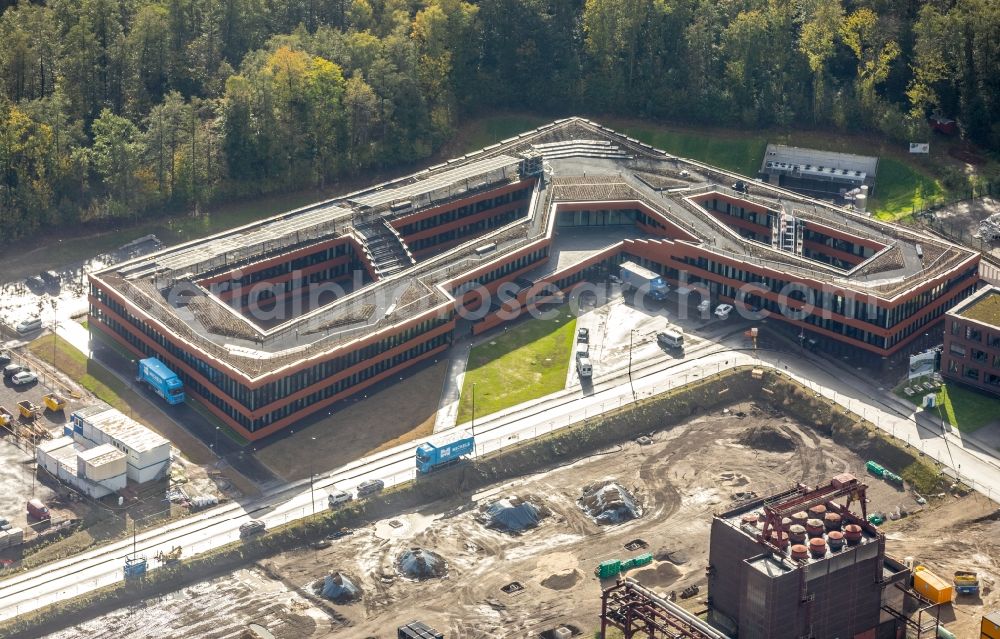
640 613
802 563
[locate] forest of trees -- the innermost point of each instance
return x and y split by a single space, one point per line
128 108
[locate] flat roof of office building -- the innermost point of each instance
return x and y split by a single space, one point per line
584 162
983 307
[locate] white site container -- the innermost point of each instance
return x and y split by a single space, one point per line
46 453
147 454
101 463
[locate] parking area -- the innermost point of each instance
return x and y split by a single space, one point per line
11 395
625 325
18 483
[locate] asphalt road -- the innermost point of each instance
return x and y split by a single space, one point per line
611 390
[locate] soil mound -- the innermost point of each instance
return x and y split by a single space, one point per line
609 503
337 587
767 438
657 577
420 564
513 514
562 580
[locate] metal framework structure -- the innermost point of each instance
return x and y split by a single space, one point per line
841 486
638 612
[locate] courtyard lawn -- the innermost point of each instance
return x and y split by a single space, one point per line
900 190
965 409
524 362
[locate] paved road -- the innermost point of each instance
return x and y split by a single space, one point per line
219 525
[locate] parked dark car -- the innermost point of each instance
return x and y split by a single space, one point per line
370 487
35 283
51 278
251 528
4 358
11 370
583 335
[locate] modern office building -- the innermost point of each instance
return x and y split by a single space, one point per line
802 563
275 320
971 353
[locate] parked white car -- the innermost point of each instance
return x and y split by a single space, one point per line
722 311
23 378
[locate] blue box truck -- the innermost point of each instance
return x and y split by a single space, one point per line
642 279
431 457
162 380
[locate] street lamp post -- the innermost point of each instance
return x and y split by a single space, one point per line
312 478
631 385
473 409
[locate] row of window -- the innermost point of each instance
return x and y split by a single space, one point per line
976 355
974 334
971 373
463 211
475 228
274 391
324 255
501 271
845 305
347 382
598 218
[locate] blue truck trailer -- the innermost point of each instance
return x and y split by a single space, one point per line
431 457
162 380
642 279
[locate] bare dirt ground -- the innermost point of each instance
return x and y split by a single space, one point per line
686 475
400 411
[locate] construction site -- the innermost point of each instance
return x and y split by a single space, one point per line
525 558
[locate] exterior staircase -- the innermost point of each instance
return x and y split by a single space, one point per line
385 247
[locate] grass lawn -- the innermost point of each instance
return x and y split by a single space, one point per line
735 152
527 361
965 409
900 189
903 184
89 374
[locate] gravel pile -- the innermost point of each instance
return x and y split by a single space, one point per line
420 564
609 503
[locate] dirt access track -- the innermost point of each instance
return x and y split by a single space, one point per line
686 474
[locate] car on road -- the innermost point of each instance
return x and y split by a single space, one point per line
704 307
50 277
370 487
722 311
583 335
339 497
24 378
4 358
251 528
5 524
11 370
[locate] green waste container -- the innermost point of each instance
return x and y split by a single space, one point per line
875 469
892 478
608 569
642 560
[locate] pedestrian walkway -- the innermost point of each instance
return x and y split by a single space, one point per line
447 413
